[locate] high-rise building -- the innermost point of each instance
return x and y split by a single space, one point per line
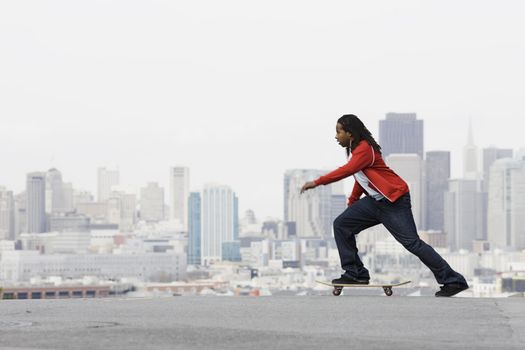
107 178
36 202
54 196
401 133
59 194
217 221
410 167
490 155
179 192
152 202
7 214
312 210
437 174
506 206
194 228
463 214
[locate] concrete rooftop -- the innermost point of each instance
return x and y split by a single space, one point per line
278 322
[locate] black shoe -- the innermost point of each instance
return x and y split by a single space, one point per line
449 290
347 280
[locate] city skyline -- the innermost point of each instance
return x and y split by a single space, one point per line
457 169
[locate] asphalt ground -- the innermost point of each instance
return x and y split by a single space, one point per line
278 322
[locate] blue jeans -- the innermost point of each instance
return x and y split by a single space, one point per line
398 219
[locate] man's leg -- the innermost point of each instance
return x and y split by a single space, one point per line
356 218
398 219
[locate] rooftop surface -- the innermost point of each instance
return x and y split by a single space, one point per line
278 322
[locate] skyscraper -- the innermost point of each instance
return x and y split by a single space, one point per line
36 202
506 206
401 133
437 174
312 210
179 192
152 202
59 194
463 213
106 180
7 214
194 228
218 205
410 168
490 155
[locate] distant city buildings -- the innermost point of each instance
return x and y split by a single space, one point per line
50 229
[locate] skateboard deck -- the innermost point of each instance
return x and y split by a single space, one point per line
387 287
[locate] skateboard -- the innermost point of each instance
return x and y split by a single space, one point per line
387 288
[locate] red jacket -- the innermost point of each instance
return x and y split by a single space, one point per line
381 178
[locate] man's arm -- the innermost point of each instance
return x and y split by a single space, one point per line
357 191
362 157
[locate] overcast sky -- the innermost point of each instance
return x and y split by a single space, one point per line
240 91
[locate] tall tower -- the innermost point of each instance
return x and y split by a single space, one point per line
194 228
506 205
179 193
218 204
36 202
401 133
437 174
107 178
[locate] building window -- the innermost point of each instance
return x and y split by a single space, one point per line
36 295
8 296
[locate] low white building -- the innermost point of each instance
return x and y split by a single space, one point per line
20 265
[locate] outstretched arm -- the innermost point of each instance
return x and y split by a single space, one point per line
363 156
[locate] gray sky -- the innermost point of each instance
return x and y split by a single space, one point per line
240 91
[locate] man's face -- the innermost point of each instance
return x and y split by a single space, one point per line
343 138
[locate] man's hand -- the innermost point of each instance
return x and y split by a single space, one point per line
308 186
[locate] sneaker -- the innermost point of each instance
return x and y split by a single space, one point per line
449 290
348 280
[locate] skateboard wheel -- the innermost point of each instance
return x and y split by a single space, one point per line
387 290
337 291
